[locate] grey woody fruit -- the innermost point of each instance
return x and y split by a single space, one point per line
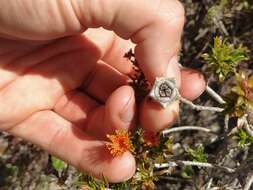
164 91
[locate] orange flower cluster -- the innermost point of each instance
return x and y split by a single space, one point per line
120 142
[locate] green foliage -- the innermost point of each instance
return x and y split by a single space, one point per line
216 11
240 99
58 164
243 138
224 10
121 186
187 172
224 58
167 144
198 154
7 171
235 105
244 85
94 184
144 176
143 179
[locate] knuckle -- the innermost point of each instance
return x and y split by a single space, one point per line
172 10
180 11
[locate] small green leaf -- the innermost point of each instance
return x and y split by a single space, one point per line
187 172
58 164
243 138
198 154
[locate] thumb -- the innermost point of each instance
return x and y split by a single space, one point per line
120 108
118 113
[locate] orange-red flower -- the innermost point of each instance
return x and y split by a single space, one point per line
151 138
120 142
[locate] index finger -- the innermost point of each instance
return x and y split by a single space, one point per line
154 25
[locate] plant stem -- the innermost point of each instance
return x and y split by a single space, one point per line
249 129
215 95
243 122
192 163
226 122
249 182
183 128
200 108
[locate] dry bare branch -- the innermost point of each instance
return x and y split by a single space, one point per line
183 128
215 95
249 183
200 108
192 163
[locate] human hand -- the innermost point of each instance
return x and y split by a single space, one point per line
64 90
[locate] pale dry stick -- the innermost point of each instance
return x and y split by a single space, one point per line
235 184
220 25
202 50
202 33
198 107
249 129
249 183
233 131
226 122
230 155
223 28
193 163
183 128
209 184
243 122
215 95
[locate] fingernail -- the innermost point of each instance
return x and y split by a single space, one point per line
127 114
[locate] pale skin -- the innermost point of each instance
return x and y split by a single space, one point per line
63 86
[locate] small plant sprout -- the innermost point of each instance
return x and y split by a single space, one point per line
58 164
197 154
244 90
243 138
225 58
240 98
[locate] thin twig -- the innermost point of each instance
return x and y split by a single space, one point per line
192 163
243 122
223 28
226 122
220 25
215 95
209 184
249 182
215 188
200 108
183 128
249 129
